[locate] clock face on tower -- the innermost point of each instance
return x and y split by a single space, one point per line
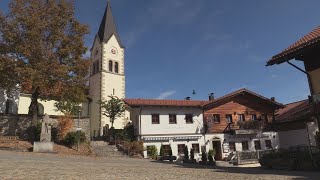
114 51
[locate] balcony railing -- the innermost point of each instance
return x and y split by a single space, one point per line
250 125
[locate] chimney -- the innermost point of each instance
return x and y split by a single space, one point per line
211 96
188 98
273 99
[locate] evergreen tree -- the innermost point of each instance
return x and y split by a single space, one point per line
161 153
186 153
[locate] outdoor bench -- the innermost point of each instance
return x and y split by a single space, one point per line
6 142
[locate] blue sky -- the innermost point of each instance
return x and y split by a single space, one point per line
173 47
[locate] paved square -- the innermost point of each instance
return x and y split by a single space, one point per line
15 165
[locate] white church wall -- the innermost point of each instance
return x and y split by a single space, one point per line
25 101
95 89
94 106
113 83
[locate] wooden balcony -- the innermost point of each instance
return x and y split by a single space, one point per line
245 131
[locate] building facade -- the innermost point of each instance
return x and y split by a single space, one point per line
205 125
240 121
295 125
175 123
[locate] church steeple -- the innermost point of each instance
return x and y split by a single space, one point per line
108 27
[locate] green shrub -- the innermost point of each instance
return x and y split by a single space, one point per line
74 137
54 134
294 158
170 153
32 133
126 134
186 153
153 152
134 147
161 153
211 154
192 154
129 129
204 156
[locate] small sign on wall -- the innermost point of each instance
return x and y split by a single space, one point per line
225 148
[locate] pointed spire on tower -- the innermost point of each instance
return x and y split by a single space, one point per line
108 27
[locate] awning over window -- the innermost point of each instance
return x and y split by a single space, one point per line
166 139
156 139
186 138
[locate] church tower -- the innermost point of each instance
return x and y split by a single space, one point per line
107 76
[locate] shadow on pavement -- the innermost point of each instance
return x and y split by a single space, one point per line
313 175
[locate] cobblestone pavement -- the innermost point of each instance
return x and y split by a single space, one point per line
14 165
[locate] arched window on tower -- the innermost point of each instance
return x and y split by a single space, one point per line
116 67
40 109
110 66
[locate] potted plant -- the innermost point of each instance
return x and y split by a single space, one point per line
170 155
204 157
153 152
192 155
211 154
186 154
161 153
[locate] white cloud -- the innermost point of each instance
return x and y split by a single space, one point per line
166 94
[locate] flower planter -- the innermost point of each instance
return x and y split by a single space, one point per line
188 161
167 158
207 163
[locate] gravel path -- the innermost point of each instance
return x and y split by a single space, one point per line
15 165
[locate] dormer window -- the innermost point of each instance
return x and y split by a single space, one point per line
110 65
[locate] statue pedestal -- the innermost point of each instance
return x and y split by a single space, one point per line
43 147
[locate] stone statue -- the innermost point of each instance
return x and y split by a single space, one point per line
45 135
45 145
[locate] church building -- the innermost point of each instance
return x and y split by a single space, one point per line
107 76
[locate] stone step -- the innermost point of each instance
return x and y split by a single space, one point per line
103 149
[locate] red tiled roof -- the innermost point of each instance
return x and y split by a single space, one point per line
160 102
294 111
311 39
193 103
238 92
